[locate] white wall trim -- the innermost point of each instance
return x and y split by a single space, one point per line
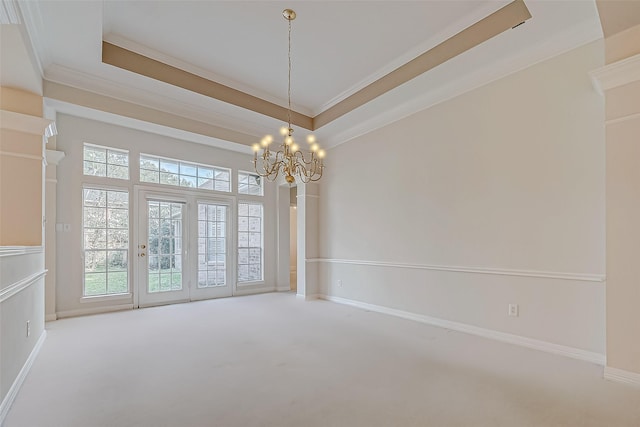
53 157
50 317
93 310
22 375
621 119
562 350
21 156
24 122
622 376
20 250
461 269
20 285
616 74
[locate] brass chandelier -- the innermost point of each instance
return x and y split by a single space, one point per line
289 159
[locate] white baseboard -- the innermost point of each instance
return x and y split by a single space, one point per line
93 310
622 376
283 288
548 347
50 317
22 375
309 297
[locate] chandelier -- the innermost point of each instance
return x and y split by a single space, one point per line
288 159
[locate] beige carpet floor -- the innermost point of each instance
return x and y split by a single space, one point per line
274 360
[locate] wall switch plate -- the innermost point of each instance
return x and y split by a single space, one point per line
513 310
59 227
67 228
339 283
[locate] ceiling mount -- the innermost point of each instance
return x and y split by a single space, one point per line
289 14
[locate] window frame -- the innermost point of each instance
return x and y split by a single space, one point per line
262 250
179 175
106 162
107 296
262 179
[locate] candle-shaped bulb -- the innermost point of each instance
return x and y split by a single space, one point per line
311 139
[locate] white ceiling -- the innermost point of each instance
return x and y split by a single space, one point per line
338 48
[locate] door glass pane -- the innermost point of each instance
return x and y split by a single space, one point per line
212 245
164 246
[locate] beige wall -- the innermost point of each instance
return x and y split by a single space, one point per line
507 177
21 154
623 206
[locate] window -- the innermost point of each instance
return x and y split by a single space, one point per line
249 242
160 170
106 241
106 162
212 245
250 183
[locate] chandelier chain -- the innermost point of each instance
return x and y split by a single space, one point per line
289 80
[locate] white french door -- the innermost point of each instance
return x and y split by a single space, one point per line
212 265
183 248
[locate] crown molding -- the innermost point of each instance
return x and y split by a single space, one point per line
9 12
76 110
440 37
33 23
616 74
143 50
570 39
156 100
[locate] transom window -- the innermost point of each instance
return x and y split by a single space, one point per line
106 241
161 170
106 162
250 183
250 242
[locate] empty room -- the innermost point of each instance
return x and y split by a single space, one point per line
319 213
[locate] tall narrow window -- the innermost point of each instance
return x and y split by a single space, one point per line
106 162
250 242
250 183
106 241
212 245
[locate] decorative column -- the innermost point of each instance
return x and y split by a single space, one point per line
619 81
52 157
307 202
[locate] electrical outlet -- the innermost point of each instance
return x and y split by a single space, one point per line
28 328
513 310
339 283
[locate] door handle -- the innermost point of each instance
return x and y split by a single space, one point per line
142 254
142 246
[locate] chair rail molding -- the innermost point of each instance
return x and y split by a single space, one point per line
599 278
